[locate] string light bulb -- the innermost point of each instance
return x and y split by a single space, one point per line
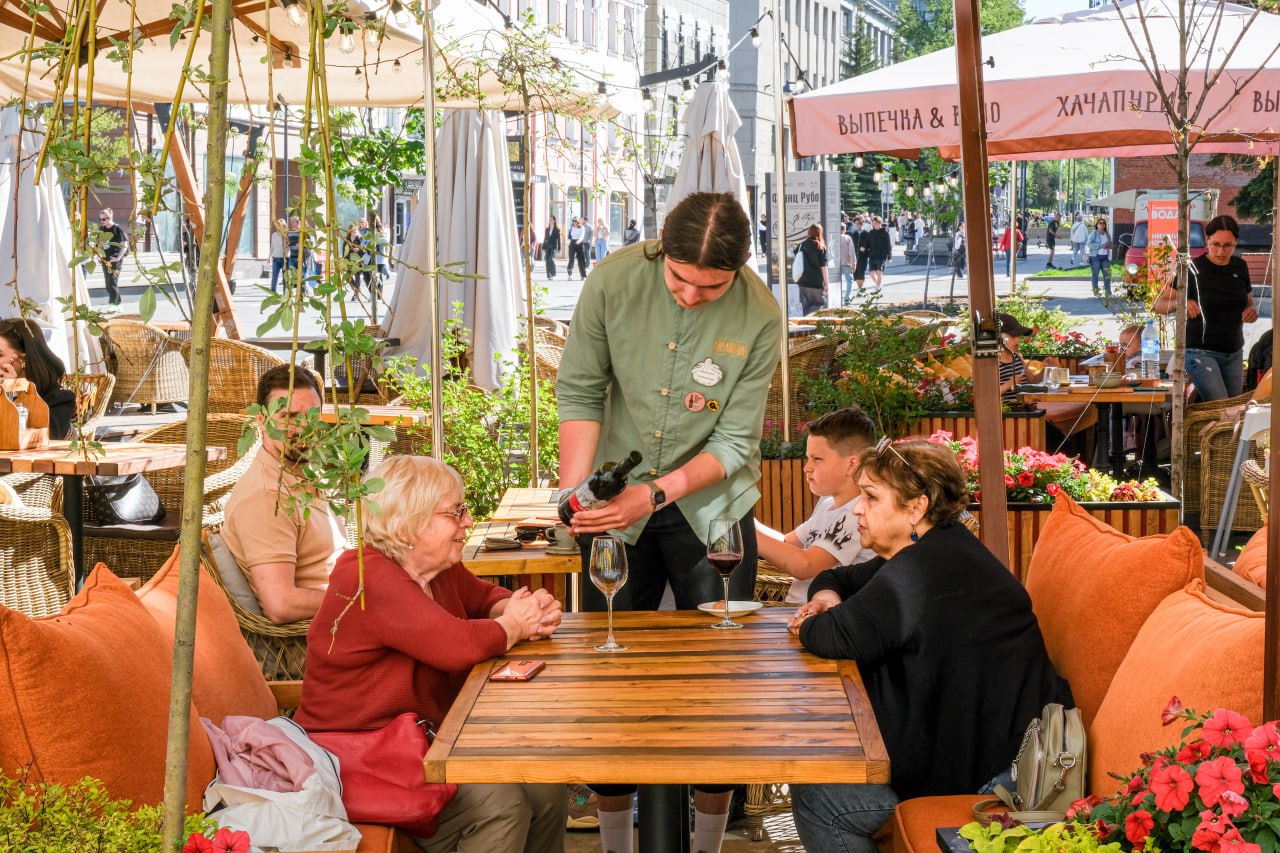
755 37
927 192
294 11
372 30
602 93
686 90
858 161
893 185
396 67
399 14
359 73
911 188
877 176
953 180
346 42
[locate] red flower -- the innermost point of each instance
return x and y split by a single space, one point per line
1211 821
1172 787
1261 746
1008 481
1135 785
1192 752
1227 728
229 841
1205 840
1053 489
1233 805
1258 768
1233 842
197 843
1171 712
1083 806
1026 478
1216 777
1137 826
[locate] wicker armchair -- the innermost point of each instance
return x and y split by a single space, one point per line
93 399
139 550
281 650
547 356
1197 418
1259 485
808 357
234 368
37 575
146 362
1218 443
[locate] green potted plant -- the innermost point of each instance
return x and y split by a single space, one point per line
785 499
1056 333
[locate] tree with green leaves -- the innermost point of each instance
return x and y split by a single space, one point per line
928 25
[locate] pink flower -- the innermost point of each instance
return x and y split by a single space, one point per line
1258 768
1083 807
1192 752
1260 747
197 843
1216 777
229 841
1233 842
1211 821
1172 786
1227 728
1233 805
1137 826
1171 712
1009 481
1053 489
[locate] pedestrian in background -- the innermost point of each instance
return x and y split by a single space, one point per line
279 240
631 236
848 260
114 246
1079 234
762 233
380 248
879 250
551 245
860 232
602 240
1098 247
1050 237
577 251
813 279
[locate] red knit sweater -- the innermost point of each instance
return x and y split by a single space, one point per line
405 651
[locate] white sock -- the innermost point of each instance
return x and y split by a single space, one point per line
616 834
708 831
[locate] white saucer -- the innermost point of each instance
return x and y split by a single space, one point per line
736 608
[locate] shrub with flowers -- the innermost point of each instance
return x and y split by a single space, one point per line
223 841
772 445
1064 344
1034 476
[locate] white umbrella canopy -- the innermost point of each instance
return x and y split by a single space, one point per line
1066 86
158 65
477 237
711 162
35 242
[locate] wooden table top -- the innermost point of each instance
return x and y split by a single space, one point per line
520 503
117 459
1090 394
530 559
381 415
686 703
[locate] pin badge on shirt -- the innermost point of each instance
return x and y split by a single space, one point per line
695 402
713 405
707 373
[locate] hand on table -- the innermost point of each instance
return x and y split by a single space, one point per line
552 614
820 604
633 504
522 617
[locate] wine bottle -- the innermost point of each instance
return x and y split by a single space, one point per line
604 484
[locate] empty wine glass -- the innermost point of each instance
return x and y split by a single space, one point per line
609 574
724 553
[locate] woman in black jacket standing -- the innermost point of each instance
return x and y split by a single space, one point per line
813 280
550 246
924 621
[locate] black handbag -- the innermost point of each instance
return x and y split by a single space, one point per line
122 500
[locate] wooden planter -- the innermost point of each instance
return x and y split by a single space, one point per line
1136 518
785 499
1071 363
1021 429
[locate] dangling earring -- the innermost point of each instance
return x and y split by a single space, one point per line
915 537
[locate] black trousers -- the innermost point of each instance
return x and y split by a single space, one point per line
550 257
111 275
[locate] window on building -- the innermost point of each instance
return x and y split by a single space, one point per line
611 39
848 22
629 34
571 20
553 13
619 205
557 209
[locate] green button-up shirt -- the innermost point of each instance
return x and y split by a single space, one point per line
673 382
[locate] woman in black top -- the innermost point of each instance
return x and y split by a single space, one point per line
879 248
25 355
1219 303
813 281
551 245
924 620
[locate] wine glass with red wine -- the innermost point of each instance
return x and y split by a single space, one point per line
724 553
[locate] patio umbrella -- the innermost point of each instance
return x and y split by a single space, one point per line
711 162
477 237
1065 86
34 217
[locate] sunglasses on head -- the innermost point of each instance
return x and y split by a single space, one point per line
887 443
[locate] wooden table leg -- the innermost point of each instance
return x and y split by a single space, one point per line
664 819
73 511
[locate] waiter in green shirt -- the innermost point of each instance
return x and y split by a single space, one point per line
671 350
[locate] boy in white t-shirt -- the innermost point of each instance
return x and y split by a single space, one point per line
829 536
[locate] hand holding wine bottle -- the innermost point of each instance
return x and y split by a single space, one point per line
605 483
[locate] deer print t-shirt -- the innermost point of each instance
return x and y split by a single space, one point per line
835 530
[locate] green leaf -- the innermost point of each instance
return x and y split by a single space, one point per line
147 304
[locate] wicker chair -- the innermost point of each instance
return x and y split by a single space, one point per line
555 327
547 357
234 368
37 575
93 398
1259 485
1198 417
772 584
281 650
139 550
146 362
808 357
1218 443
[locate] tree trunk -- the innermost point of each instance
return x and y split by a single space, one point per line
175 780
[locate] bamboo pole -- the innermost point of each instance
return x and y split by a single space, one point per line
780 222
528 283
175 780
430 258
982 293
1271 666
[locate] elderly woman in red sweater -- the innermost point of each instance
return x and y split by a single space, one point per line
425 623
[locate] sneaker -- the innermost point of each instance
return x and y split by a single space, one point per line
583 813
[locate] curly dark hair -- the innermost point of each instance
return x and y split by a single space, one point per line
41 366
708 230
917 467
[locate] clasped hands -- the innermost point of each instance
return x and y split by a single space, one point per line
821 603
537 613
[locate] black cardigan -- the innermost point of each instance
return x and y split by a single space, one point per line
951 655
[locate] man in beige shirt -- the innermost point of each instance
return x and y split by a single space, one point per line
286 557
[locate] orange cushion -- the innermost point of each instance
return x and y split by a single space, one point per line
375 838
227 677
1092 587
86 693
1207 654
916 822
1252 562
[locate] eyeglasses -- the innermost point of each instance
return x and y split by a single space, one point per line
886 443
1224 247
458 514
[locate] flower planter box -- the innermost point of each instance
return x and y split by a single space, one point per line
1136 518
1071 363
1020 429
785 499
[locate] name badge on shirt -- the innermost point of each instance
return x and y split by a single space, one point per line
733 348
707 373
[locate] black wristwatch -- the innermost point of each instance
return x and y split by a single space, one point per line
659 496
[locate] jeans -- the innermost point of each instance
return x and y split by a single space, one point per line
277 267
846 275
1100 264
669 551
1216 375
111 277
1077 254
602 249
